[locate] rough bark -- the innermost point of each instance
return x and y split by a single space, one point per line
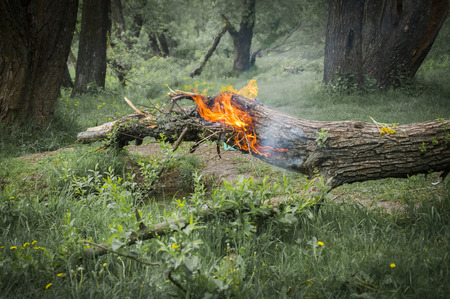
343 49
35 38
91 62
405 33
343 152
242 38
386 40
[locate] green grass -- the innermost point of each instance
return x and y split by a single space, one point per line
80 194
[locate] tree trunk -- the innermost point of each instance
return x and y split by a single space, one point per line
343 152
343 55
242 39
386 40
158 43
163 44
91 62
35 38
117 16
402 38
67 81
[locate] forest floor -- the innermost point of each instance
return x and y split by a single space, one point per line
229 165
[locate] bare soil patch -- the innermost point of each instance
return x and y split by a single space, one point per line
220 167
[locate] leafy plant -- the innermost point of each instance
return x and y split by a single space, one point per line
321 138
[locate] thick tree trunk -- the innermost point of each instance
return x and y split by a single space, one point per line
35 38
386 40
398 43
242 39
91 62
343 55
343 152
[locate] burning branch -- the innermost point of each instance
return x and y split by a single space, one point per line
343 152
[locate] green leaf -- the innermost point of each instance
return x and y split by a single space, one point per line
116 244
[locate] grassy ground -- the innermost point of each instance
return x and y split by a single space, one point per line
50 203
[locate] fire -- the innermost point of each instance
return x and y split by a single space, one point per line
227 112
250 91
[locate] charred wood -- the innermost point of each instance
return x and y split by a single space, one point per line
341 151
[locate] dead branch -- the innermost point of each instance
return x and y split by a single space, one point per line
211 50
163 228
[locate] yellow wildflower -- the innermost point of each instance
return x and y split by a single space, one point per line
49 285
60 274
105 264
13 247
393 265
180 205
320 243
175 246
34 242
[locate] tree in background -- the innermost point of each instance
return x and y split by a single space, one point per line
35 38
385 40
91 62
242 38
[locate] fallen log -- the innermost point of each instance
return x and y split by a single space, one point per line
341 151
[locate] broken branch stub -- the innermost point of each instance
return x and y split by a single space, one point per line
341 151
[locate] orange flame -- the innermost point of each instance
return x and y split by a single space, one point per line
250 91
232 114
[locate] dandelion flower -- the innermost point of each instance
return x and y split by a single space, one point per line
320 243
393 265
175 246
180 205
34 242
47 286
60 274
13 247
